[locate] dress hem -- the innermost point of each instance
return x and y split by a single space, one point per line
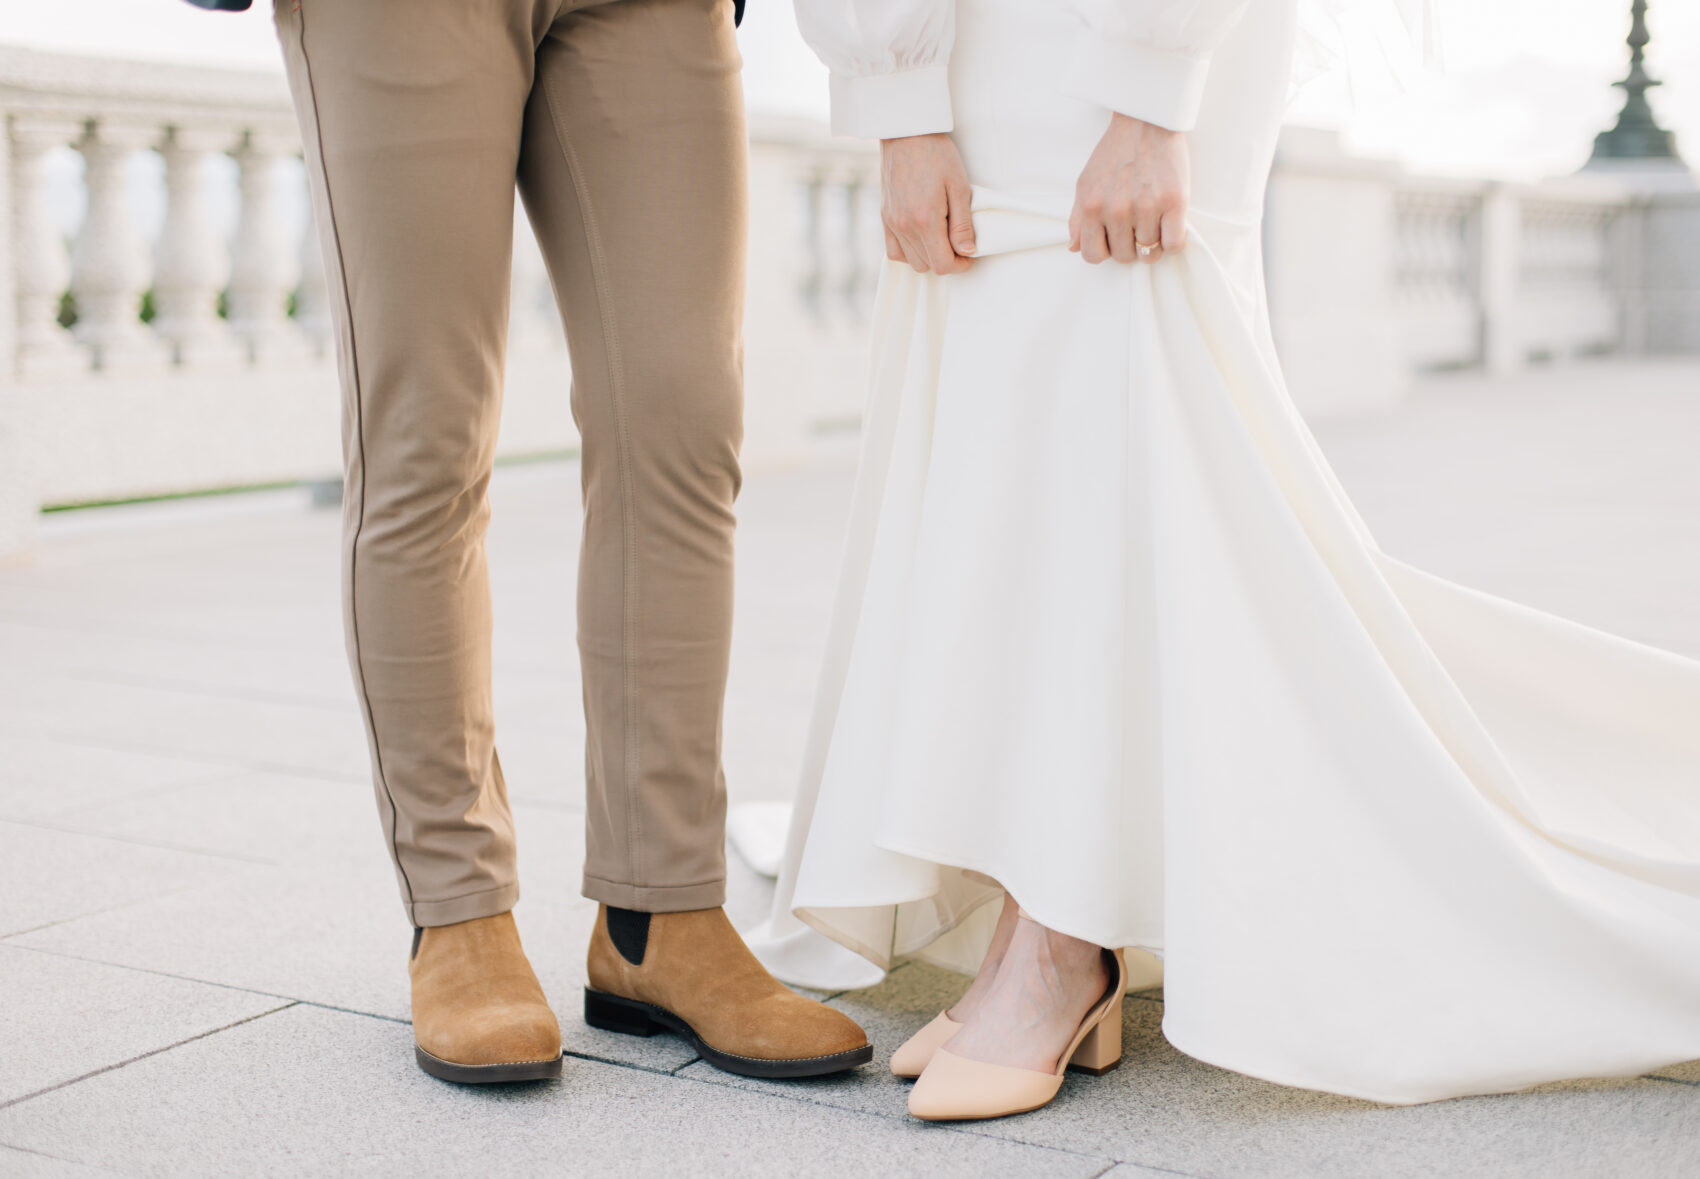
804 912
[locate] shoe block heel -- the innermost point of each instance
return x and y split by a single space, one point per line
1101 1050
614 1014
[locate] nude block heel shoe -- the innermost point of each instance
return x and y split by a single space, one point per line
1101 1050
911 1060
954 1088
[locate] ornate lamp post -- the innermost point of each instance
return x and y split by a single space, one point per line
1637 137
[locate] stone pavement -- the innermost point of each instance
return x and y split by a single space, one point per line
202 957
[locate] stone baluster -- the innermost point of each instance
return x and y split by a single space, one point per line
312 296
834 236
41 265
8 271
17 427
864 244
1499 247
109 265
812 286
110 268
261 262
782 364
191 265
867 239
847 261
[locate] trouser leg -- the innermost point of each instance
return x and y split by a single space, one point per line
633 172
411 114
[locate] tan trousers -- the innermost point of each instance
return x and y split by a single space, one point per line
622 121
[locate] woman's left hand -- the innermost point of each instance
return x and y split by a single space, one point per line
1130 201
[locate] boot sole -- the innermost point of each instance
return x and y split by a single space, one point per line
633 1017
487 1074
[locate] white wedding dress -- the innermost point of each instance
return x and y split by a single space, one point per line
1110 635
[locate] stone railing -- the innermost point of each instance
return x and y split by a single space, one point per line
1503 276
110 112
165 325
1375 274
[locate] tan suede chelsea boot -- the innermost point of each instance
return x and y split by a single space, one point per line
479 1014
690 973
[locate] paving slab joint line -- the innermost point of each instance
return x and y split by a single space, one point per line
1114 1163
652 1070
326 1006
143 1056
1670 1080
1160 1170
207 982
42 1154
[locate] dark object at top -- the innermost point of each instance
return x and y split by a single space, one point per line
1637 135
243 5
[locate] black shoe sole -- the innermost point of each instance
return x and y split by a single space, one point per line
487 1074
631 1017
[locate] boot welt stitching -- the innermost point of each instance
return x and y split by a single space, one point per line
491 1064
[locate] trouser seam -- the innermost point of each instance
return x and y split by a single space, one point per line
360 451
630 764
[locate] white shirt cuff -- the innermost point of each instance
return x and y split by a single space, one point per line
890 106
1159 86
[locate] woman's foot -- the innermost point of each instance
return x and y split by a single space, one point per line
1027 1015
970 1001
915 1053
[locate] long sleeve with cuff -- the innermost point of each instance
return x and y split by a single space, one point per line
1150 58
890 63
890 59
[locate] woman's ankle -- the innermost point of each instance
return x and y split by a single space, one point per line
1002 934
1047 983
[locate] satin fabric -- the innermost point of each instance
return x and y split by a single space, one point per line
1110 634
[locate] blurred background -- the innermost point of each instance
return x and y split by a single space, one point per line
158 240
1485 287
1473 219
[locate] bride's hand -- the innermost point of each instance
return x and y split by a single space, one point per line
1132 193
924 203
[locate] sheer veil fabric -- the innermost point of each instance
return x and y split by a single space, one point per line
1109 634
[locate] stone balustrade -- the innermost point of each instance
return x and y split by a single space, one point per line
1375 274
199 357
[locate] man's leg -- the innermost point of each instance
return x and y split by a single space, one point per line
411 113
632 170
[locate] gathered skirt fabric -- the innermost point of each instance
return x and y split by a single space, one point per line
1110 636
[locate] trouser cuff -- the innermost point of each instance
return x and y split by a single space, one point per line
667 898
464 908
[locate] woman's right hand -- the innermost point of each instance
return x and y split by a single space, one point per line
924 204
